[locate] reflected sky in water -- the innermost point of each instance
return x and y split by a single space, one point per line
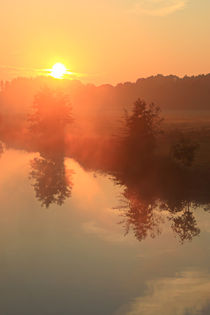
75 258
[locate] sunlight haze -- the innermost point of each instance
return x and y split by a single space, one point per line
108 41
105 157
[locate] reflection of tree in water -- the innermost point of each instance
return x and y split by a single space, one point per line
164 197
141 217
185 226
48 123
51 183
145 219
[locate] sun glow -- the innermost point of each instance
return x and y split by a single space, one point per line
58 71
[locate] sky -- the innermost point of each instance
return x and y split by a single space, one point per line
105 41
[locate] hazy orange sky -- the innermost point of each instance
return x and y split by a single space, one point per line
108 41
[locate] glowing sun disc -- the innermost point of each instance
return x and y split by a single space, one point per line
58 71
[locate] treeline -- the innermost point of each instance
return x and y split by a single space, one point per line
97 108
169 92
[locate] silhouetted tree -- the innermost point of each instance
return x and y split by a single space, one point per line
52 114
142 127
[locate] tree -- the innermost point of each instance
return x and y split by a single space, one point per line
52 114
142 127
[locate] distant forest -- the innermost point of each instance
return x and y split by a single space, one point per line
97 108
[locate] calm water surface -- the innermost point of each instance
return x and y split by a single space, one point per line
76 259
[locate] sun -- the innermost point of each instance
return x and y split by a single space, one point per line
58 71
